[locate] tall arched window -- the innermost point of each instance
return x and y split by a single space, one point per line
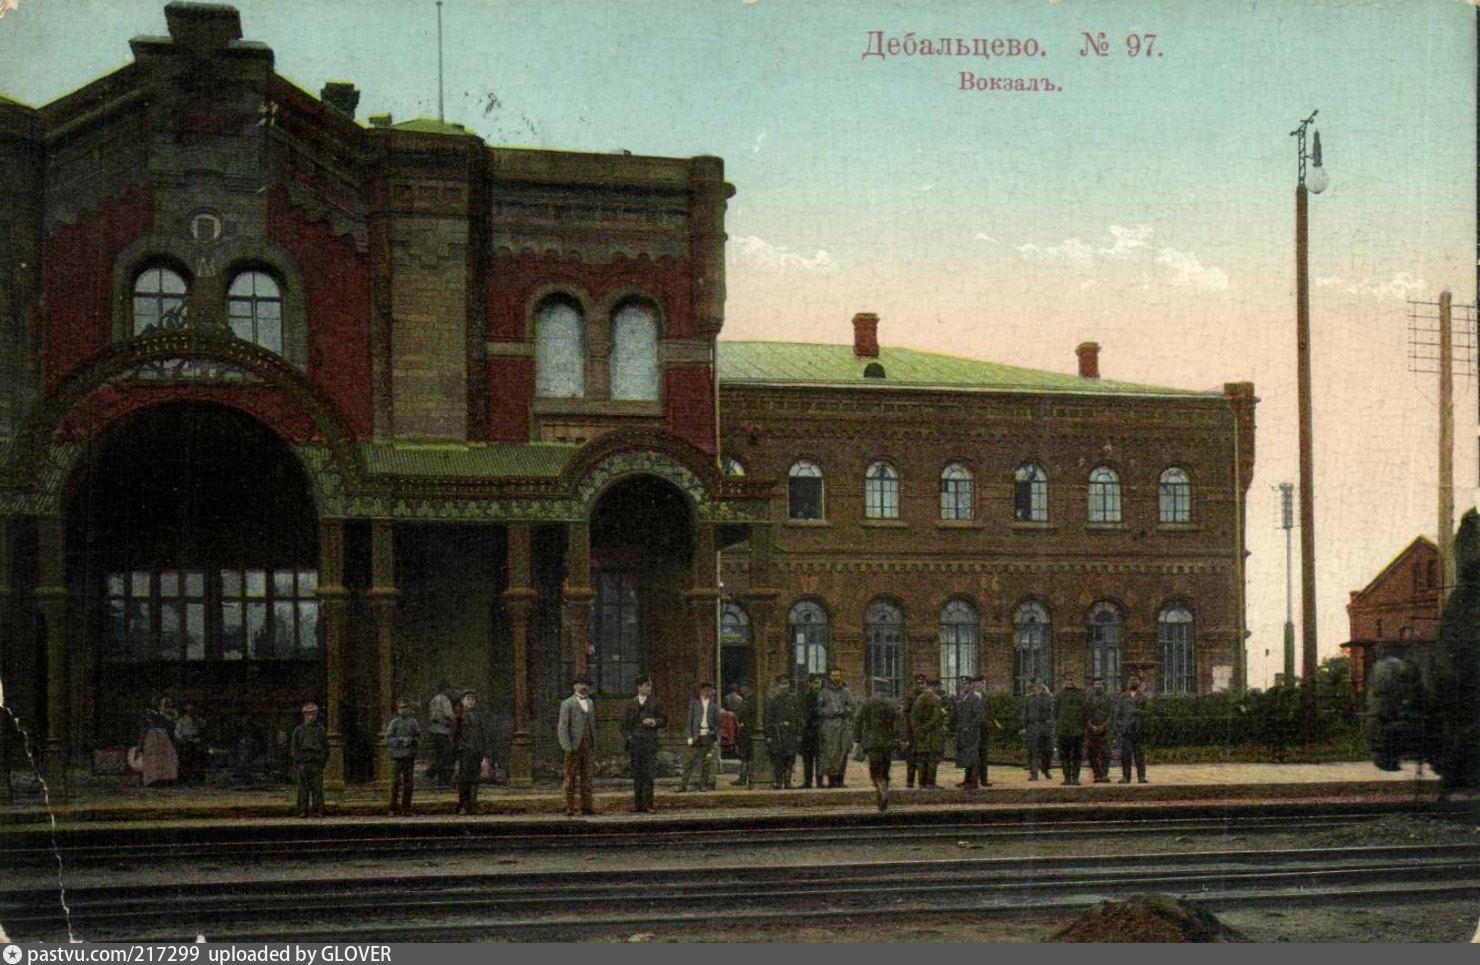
1175 497
1178 673
960 643
634 360
559 351
809 641
881 492
1104 495
1030 494
957 492
734 638
1104 645
1032 646
254 307
159 301
883 635
804 491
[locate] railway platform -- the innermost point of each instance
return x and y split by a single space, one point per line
119 800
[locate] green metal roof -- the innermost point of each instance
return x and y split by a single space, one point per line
800 363
430 125
469 461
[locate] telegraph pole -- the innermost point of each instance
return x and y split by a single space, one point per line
1287 523
440 115
1446 444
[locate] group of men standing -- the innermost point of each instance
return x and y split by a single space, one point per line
1084 726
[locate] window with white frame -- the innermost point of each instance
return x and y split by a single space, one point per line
1104 495
1175 628
1104 645
960 644
809 642
1032 646
1175 497
1030 494
881 492
159 301
957 491
883 636
254 309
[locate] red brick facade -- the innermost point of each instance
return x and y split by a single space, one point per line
1398 611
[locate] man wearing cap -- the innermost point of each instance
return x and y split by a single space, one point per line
473 744
927 733
1069 721
1037 721
577 733
874 731
1097 711
1127 728
971 713
308 749
702 731
641 723
783 724
402 735
835 710
906 732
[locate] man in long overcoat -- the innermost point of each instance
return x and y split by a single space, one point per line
783 722
472 744
1128 730
835 710
927 733
874 730
1069 719
971 713
1038 734
642 722
906 731
1098 709
811 735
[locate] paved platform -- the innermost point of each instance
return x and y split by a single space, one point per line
123 800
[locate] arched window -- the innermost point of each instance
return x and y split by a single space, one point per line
956 494
1175 497
809 641
159 301
559 351
734 639
731 466
1032 646
634 360
1030 494
1104 496
881 492
254 307
804 491
1104 645
960 643
883 635
1178 674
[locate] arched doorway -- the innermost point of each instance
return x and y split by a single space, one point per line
642 543
193 546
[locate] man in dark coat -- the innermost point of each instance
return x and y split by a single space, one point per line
308 749
1128 730
744 708
1038 733
927 733
810 735
874 730
1069 720
472 745
971 712
642 722
906 731
783 721
1097 712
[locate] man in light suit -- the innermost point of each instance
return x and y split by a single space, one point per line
577 733
703 732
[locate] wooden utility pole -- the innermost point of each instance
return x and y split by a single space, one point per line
1446 445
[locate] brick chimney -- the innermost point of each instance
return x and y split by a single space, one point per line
1089 360
342 96
202 25
866 335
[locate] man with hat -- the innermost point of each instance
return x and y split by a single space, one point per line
473 744
1069 720
308 749
402 735
577 733
971 715
783 725
835 710
641 722
1037 720
928 721
906 732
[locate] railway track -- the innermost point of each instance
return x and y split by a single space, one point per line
563 906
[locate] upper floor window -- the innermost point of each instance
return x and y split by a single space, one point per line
960 643
1104 496
956 491
1175 497
634 360
881 492
254 307
1030 494
159 301
559 351
1104 645
1174 627
804 491
883 631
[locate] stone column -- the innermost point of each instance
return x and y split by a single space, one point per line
382 596
519 604
51 601
578 597
333 606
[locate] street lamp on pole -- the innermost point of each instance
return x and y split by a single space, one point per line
1314 182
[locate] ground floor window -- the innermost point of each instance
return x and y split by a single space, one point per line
808 625
884 653
1032 649
960 633
616 633
1174 626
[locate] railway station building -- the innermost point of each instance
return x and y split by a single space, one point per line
298 407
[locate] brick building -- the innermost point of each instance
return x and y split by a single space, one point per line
1397 614
296 407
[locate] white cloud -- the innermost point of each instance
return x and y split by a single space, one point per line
1401 287
1190 271
1132 248
760 139
1072 253
1128 240
758 253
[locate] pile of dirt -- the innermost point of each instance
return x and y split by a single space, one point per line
1146 918
1399 829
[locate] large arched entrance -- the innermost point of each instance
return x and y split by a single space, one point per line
193 548
642 544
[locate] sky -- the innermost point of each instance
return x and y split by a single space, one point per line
1147 204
